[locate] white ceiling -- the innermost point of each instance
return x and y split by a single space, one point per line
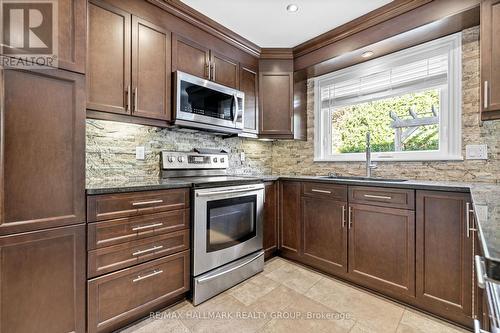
267 23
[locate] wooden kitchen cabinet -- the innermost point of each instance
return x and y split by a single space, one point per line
108 58
42 281
382 248
289 239
271 227
444 278
129 64
151 70
324 234
249 84
225 71
276 104
190 57
43 149
490 59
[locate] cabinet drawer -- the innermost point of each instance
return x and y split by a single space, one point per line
112 206
124 255
324 190
380 196
106 233
124 296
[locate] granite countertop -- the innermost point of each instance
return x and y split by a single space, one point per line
485 198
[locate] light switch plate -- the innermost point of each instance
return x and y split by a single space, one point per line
242 156
140 153
476 152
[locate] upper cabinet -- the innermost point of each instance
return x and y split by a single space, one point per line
129 65
249 85
198 60
490 59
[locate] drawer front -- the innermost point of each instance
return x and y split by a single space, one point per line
112 206
112 258
324 190
107 233
121 297
381 196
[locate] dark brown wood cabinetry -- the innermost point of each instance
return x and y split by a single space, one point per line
490 59
289 238
42 281
271 228
444 278
129 64
382 248
225 71
190 57
43 150
249 81
276 104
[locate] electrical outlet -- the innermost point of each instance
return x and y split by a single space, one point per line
476 152
242 156
140 153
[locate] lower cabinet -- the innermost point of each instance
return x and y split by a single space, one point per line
444 278
418 250
382 248
119 298
271 219
42 281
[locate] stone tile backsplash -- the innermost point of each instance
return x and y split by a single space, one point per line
111 145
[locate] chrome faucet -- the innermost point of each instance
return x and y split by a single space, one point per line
369 165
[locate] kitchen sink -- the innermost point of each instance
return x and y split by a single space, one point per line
360 178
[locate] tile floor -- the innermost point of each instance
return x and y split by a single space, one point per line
290 298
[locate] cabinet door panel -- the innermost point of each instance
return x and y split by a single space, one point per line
190 57
276 104
490 59
224 70
444 255
324 234
290 219
42 278
271 219
43 155
72 21
151 70
382 248
249 85
108 72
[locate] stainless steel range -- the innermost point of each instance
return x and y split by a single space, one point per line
227 221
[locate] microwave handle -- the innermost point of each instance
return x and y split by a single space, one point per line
235 116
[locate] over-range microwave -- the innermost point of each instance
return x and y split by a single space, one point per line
203 104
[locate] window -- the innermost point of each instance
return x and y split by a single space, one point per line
410 102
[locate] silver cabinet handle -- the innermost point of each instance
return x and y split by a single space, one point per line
135 99
468 211
372 196
154 248
143 277
129 98
485 96
143 203
321 191
343 216
479 261
213 72
349 225
149 226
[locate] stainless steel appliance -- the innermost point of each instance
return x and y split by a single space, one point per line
203 104
227 217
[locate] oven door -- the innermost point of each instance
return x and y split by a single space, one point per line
204 104
227 225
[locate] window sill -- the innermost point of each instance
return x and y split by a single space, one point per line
437 158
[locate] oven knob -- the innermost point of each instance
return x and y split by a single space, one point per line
180 159
222 160
215 159
170 159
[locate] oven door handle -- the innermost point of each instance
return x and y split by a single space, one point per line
207 194
211 277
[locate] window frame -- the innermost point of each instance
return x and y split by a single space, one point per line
450 120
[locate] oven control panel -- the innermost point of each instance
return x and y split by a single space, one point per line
173 160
